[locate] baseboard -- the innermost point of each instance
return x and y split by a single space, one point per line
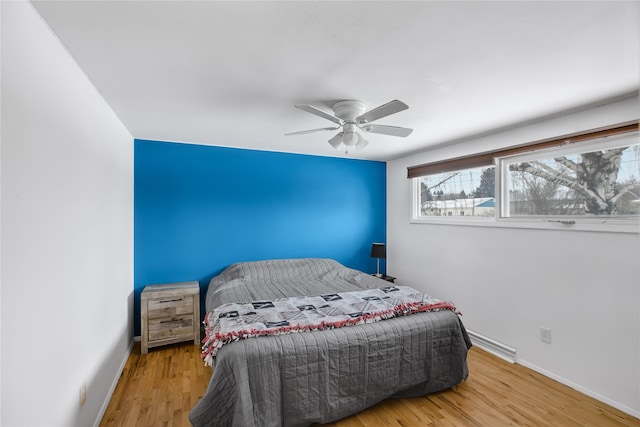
103 409
581 389
496 348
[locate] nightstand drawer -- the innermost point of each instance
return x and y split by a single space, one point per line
173 327
170 307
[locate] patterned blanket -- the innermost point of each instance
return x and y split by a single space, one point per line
236 321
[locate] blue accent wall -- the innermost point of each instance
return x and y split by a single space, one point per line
198 209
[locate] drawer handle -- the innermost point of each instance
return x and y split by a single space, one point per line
170 300
172 321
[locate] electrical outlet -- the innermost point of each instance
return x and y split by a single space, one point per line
83 394
545 335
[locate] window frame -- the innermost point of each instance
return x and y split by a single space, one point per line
501 159
417 218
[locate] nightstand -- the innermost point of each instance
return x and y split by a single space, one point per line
170 313
387 278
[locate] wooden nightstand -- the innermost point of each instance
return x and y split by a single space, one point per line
170 313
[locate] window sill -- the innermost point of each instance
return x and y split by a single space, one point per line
538 224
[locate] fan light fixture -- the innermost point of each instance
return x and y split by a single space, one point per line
348 139
350 116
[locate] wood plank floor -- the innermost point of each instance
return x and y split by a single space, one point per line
160 388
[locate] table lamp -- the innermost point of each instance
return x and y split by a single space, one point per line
378 251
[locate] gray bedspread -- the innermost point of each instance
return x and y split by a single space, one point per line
322 376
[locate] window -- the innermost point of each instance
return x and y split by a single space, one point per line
468 193
573 181
597 180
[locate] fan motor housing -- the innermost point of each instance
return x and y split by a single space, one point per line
348 110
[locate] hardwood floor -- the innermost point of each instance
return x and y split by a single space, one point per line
160 388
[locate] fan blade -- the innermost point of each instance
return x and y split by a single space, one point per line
387 130
385 110
336 140
303 132
313 110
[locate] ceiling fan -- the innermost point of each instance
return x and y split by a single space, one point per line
350 115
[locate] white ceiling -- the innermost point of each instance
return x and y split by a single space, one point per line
229 73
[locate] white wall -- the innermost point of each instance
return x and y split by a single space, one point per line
67 232
509 282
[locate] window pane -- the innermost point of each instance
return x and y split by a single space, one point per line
593 183
467 193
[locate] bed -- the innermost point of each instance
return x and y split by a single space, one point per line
320 376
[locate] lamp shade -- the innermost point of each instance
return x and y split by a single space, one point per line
378 250
350 138
336 140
